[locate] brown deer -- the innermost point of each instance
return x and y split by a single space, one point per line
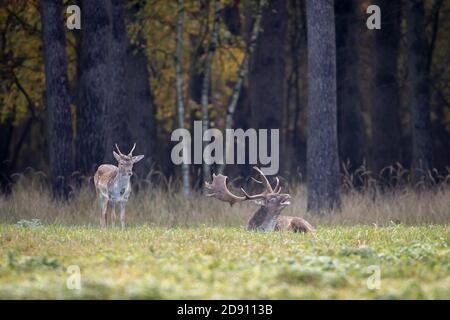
112 185
272 201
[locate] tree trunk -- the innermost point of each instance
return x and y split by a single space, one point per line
179 89
349 101
206 81
299 51
267 69
422 150
386 126
6 132
267 76
94 86
231 17
322 150
117 128
243 68
140 105
57 97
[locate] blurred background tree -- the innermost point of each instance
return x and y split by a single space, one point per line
392 85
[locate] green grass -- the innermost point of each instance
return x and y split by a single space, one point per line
206 262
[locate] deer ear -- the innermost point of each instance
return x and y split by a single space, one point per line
116 155
138 158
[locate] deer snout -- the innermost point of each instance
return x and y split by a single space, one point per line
286 200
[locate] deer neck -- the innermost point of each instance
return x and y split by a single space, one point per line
123 180
263 220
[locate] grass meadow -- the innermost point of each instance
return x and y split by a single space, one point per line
383 245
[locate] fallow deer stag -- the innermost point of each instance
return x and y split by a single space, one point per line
272 201
112 185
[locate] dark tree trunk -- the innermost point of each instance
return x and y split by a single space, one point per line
231 17
267 82
386 126
441 134
117 128
297 47
243 69
6 131
422 150
349 102
299 53
205 92
93 87
140 105
57 97
322 149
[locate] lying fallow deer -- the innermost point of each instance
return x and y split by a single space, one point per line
112 185
267 218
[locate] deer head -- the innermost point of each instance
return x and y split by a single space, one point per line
271 200
126 161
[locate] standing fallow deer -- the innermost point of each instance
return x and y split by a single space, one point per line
268 217
112 185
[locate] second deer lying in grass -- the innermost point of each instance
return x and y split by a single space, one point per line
268 217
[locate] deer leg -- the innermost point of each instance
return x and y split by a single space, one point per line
113 213
104 209
122 214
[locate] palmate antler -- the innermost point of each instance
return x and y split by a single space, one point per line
218 189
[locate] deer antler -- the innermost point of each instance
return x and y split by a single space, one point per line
266 182
131 152
277 188
120 152
218 189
